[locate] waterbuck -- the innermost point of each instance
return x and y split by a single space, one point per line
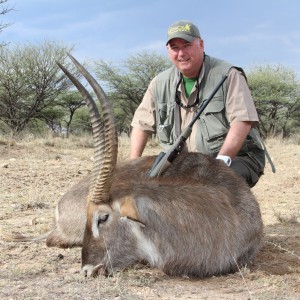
197 219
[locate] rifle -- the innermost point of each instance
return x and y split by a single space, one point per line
164 160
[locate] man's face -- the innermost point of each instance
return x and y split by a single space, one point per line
187 56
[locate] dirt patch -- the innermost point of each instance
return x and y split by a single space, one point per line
32 179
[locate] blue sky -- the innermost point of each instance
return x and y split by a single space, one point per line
245 33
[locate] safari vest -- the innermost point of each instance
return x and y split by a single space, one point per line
212 125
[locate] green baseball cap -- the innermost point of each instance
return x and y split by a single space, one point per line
183 30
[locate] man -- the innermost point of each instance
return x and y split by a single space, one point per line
225 129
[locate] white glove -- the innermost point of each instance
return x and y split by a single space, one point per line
226 159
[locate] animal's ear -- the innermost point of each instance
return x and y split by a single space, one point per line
128 209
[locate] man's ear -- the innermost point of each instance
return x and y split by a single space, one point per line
128 209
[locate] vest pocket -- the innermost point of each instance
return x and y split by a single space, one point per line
165 123
214 125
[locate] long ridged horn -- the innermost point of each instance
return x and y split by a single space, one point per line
105 137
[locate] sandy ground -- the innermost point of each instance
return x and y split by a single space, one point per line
34 175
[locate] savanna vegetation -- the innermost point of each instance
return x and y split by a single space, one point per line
36 97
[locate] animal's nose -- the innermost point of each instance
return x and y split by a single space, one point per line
86 270
94 271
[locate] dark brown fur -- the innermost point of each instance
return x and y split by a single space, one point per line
201 218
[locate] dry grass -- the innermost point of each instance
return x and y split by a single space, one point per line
35 173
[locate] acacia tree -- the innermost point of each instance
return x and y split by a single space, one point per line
128 84
30 81
276 92
60 116
70 101
52 116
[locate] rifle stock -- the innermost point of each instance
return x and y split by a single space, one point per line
164 160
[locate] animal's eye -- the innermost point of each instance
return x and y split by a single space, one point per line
102 219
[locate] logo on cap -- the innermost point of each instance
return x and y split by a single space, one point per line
184 28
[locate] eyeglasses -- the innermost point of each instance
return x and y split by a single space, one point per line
178 101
